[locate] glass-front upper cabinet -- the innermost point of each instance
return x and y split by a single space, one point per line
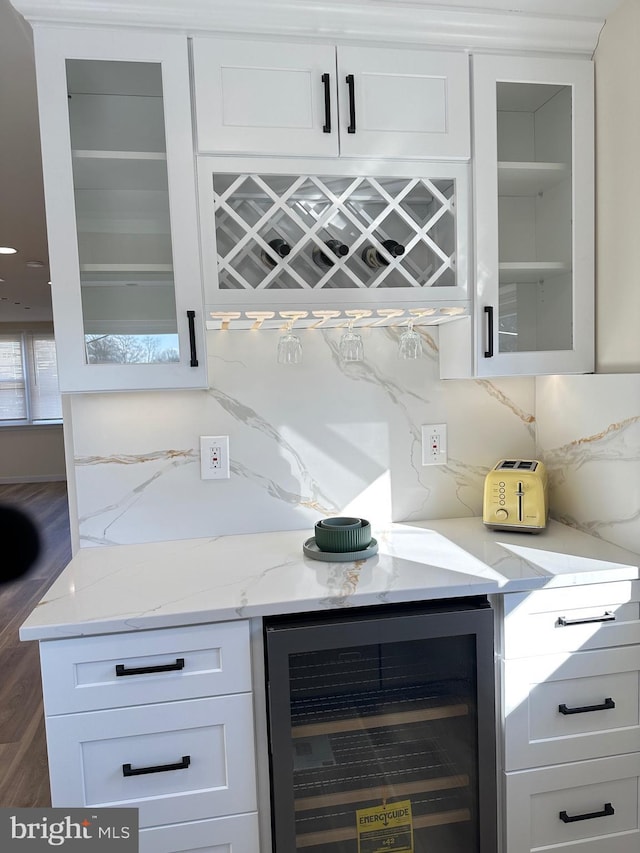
121 209
534 215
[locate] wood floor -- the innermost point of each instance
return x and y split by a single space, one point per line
24 780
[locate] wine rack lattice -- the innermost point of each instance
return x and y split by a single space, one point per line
305 211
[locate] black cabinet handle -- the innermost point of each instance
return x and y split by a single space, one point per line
488 310
352 103
563 622
606 812
606 706
142 670
191 317
326 82
128 770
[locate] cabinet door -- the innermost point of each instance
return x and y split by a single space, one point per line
260 97
174 762
403 103
534 203
121 209
220 835
563 707
584 807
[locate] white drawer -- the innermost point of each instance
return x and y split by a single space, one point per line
535 800
189 662
561 708
564 620
235 834
88 755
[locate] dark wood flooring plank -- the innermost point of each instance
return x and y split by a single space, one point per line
24 781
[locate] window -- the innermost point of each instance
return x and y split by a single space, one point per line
28 379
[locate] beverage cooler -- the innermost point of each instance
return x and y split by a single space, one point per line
382 729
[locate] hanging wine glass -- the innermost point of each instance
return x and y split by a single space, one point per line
289 346
351 348
410 345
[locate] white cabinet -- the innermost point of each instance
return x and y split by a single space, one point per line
262 97
534 215
121 208
162 721
571 706
419 210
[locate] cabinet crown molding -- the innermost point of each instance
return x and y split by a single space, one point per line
500 25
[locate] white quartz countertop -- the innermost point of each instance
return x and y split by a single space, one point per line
193 581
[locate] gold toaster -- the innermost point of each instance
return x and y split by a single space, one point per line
515 496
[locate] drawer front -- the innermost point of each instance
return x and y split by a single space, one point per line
561 708
598 799
205 749
180 663
236 834
565 620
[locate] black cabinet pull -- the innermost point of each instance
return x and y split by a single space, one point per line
142 670
606 706
352 103
606 812
326 82
128 770
563 622
191 317
488 310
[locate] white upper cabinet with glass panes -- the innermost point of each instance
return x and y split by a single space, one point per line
534 215
121 209
264 97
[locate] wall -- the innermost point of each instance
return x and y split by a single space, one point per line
321 438
32 454
617 63
588 431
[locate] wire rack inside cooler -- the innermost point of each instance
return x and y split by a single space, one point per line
378 724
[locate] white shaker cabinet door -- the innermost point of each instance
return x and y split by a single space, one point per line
534 215
258 97
403 103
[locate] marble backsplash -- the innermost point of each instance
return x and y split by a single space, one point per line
588 434
321 438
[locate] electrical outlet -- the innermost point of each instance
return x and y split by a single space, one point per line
214 457
434 444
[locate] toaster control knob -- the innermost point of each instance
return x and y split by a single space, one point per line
502 513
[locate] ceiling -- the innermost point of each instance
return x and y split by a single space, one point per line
25 291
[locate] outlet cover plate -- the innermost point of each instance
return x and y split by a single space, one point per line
214 457
434 444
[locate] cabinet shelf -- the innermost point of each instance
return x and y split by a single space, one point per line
531 272
334 836
120 170
529 179
125 268
377 721
381 792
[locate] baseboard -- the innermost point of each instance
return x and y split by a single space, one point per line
36 478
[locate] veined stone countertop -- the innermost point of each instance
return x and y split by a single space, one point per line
194 581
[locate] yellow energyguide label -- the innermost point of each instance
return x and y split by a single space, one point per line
385 829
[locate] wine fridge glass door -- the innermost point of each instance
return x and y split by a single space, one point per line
376 737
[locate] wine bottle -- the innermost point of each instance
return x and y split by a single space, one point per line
280 247
372 257
322 260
